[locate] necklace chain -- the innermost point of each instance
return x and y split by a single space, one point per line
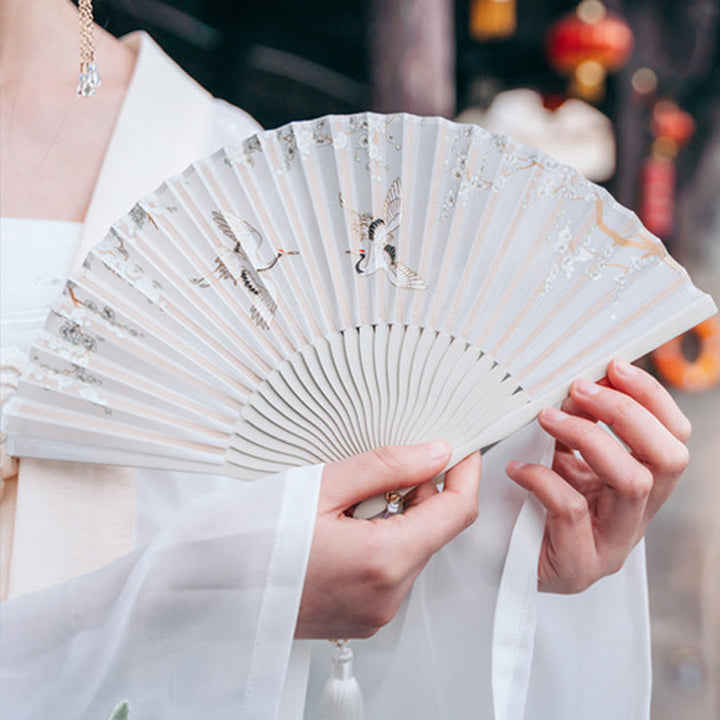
87 34
89 80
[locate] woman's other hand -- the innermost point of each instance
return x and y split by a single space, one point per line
600 504
360 570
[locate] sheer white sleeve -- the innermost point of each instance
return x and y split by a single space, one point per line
199 621
592 650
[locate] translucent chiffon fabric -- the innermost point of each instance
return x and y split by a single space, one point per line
198 621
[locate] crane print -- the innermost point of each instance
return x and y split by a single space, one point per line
242 264
378 233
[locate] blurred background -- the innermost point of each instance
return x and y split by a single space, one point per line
627 91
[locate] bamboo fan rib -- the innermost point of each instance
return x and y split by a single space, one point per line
340 284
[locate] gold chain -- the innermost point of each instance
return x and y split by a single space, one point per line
87 35
89 80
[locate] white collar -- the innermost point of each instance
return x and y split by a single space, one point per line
164 124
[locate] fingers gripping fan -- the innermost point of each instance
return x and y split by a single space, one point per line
340 284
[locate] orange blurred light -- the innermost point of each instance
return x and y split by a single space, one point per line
492 18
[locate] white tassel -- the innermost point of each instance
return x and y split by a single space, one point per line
341 698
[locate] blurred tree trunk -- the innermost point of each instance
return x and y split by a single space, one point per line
412 51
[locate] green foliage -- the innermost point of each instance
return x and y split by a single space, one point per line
121 711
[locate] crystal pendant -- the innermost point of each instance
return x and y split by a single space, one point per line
89 80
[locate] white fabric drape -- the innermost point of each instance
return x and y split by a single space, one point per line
592 650
200 621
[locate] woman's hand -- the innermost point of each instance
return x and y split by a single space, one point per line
599 505
360 570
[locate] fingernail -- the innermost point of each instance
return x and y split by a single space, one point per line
624 369
514 466
585 387
437 449
553 415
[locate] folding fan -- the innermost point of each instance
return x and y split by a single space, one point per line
339 284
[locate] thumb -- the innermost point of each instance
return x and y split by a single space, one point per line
347 482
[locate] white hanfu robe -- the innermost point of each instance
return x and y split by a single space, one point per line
195 612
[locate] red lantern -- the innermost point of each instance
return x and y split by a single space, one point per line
587 45
658 198
669 121
671 127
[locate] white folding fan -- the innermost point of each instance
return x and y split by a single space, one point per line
339 284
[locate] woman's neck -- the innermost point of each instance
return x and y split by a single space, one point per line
38 40
52 142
